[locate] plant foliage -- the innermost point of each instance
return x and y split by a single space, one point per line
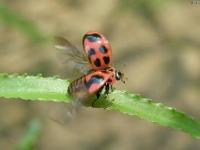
55 89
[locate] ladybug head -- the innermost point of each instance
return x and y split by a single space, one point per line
119 76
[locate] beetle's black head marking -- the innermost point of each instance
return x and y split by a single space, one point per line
119 76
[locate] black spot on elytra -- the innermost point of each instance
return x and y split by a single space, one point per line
106 60
97 62
93 37
94 79
103 49
91 52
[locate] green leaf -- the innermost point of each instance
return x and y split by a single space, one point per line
55 89
12 19
33 88
31 137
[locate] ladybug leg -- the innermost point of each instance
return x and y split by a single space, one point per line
107 89
99 92
97 95
111 87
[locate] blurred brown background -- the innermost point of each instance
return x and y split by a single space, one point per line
159 41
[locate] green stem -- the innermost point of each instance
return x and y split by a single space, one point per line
54 89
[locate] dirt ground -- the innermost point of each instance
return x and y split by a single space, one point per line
156 44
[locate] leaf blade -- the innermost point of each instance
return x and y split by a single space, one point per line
55 89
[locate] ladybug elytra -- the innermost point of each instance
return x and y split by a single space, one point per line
98 53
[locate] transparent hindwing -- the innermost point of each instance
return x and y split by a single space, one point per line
74 59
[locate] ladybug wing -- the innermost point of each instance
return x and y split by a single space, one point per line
73 57
96 80
84 88
97 50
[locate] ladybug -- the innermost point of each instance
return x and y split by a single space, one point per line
92 84
97 56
